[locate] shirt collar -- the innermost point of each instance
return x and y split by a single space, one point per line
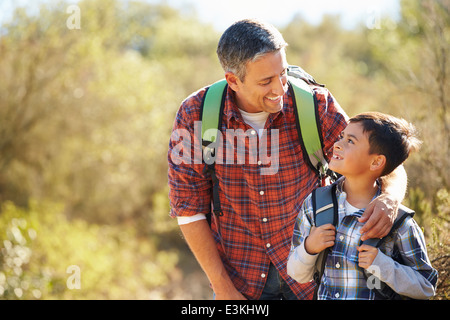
230 108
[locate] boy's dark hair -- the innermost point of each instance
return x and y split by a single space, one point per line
392 137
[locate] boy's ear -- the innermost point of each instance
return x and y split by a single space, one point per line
232 80
378 162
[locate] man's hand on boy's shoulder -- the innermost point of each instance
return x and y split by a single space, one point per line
379 217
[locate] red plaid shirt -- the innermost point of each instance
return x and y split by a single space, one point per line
259 211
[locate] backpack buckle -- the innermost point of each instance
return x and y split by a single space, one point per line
322 169
209 154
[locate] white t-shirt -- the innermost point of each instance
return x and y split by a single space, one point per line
349 209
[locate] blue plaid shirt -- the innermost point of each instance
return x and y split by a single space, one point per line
344 279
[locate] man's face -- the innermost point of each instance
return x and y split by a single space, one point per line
264 85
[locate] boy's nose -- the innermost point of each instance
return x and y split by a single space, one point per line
337 146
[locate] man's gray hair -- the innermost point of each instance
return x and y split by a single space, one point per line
245 41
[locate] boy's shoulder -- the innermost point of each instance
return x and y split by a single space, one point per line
405 226
405 217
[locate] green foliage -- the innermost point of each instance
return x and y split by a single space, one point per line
433 215
40 244
86 115
83 115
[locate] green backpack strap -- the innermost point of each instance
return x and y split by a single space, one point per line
308 125
212 108
211 116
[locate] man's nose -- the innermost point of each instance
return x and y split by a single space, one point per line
280 86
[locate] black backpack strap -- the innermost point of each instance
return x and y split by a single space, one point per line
324 202
384 292
325 210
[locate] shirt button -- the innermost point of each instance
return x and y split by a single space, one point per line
337 295
341 238
338 265
253 132
263 275
268 245
264 219
261 192
259 162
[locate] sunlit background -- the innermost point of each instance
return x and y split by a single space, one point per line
87 106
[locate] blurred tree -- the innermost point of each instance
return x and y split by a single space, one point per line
399 68
85 113
414 54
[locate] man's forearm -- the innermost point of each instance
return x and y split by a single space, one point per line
395 184
200 240
380 214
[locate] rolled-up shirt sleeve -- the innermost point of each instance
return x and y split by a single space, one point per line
189 184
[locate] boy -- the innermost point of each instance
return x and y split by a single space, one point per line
371 146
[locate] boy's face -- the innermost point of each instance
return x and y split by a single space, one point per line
351 156
264 84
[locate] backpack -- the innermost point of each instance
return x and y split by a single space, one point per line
308 127
325 210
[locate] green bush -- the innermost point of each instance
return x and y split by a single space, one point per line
433 217
43 255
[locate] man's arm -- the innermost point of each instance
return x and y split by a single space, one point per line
190 194
380 214
200 240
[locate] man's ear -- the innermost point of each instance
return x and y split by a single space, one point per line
232 80
378 162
